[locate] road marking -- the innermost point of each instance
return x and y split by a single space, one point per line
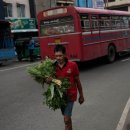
123 116
17 67
125 59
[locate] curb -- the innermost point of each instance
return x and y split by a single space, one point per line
122 123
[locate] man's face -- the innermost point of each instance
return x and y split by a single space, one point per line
59 57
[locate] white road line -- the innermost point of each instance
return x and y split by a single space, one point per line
125 59
123 116
17 67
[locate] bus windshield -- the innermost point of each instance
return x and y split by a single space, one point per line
57 26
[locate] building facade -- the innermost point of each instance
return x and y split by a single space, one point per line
16 8
123 5
46 4
18 13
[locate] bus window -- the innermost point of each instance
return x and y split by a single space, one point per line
57 26
116 22
85 24
124 22
104 22
95 23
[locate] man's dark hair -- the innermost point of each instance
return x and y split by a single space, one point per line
60 48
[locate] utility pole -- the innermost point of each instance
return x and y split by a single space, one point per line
52 3
1 9
32 8
106 3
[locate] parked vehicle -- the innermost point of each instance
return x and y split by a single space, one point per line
22 49
7 50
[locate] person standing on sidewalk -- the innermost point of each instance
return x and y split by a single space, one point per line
68 69
31 47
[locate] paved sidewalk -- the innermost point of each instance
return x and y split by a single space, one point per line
127 122
124 123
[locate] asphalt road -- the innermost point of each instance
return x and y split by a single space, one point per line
106 89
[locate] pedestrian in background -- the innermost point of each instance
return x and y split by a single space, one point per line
68 69
19 49
31 47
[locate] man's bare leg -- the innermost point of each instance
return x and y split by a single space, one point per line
68 123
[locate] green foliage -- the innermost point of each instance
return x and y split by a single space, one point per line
54 95
42 70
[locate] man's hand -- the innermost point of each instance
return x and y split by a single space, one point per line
48 80
81 99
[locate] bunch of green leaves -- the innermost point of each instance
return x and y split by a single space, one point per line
54 95
42 70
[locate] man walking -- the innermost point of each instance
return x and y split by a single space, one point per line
68 69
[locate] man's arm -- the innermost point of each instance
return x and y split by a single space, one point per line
80 90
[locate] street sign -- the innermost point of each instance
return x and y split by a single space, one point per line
98 4
22 24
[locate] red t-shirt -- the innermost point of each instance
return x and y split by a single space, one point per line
69 70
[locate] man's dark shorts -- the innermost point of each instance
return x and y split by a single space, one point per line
67 110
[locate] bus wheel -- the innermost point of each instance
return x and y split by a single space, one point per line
111 54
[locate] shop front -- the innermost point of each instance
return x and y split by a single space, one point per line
22 29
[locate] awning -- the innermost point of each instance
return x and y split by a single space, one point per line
24 30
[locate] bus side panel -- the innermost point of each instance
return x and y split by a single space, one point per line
128 43
127 40
121 42
115 38
91 46
97 45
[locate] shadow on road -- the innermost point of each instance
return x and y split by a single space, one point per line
99 62
128 127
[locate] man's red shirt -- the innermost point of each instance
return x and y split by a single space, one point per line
69 70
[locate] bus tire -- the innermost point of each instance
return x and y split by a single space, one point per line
111 54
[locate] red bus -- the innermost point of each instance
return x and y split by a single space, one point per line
86 33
